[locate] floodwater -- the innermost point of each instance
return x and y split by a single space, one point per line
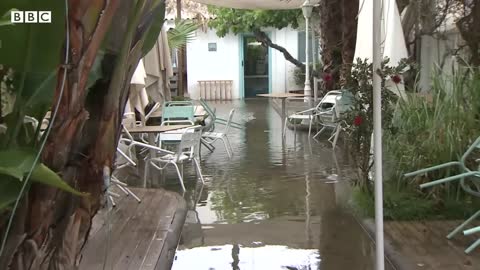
276 204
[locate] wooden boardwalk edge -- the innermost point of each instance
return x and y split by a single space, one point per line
393 256
136 236
167 255
411 245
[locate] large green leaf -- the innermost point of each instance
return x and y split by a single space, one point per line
9 191
42 174
158 15
18 162
5 19
33 47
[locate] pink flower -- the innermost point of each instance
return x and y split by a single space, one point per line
396 79
358 120
327 77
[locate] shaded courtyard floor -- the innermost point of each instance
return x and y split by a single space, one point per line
283 204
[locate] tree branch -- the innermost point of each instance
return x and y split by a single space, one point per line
263 38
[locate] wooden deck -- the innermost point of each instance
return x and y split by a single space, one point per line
423 245
143 235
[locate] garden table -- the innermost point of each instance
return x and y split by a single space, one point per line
283 97
152 131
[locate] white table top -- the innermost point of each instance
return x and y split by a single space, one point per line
281 95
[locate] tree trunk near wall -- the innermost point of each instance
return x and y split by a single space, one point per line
469 27
349 37
181 57
331 35
51 226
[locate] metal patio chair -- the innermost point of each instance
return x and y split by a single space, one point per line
330 114
327 114
183 112
210 137
213 116
469 182
187 150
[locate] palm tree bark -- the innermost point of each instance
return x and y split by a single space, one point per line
469 27
331 38
51 227
349 37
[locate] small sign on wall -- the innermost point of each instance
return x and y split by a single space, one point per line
212 47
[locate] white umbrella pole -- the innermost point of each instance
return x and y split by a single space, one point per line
377 135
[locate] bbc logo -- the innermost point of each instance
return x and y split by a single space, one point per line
31 17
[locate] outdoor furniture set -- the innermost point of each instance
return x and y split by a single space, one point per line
176 140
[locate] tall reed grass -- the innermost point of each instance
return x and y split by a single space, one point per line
431 130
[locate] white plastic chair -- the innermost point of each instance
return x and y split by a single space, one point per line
322 110
329 113
209 138
188 150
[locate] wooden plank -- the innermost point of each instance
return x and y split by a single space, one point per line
97 244
148 255
141 232
424 245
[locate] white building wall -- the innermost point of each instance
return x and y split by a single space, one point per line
220 65
224 64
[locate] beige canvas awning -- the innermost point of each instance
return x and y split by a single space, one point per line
159 70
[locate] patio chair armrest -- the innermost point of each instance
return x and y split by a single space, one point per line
448 179
305 111
156 148
433 168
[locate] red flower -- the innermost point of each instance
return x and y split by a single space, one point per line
358 120
396 79
327 77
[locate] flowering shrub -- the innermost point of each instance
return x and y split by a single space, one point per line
359 118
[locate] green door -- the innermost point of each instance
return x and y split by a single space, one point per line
255 67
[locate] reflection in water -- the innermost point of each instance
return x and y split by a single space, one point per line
279 202
258 258
236 260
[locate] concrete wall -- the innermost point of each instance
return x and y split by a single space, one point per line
224 64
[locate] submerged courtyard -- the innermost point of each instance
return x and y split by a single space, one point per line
277 204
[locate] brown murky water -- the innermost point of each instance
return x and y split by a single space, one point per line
275 205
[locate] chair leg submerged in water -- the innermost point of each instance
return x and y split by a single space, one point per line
187 151
209 138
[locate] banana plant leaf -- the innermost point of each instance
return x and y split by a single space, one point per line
16 163
32 47
158 15
9 190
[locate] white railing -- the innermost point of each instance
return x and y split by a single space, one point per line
216 89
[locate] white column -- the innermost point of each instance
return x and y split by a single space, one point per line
308 88
377 135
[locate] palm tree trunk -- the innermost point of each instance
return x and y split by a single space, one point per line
349 37
51 227
331 37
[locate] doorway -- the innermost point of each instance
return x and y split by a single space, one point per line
256 67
